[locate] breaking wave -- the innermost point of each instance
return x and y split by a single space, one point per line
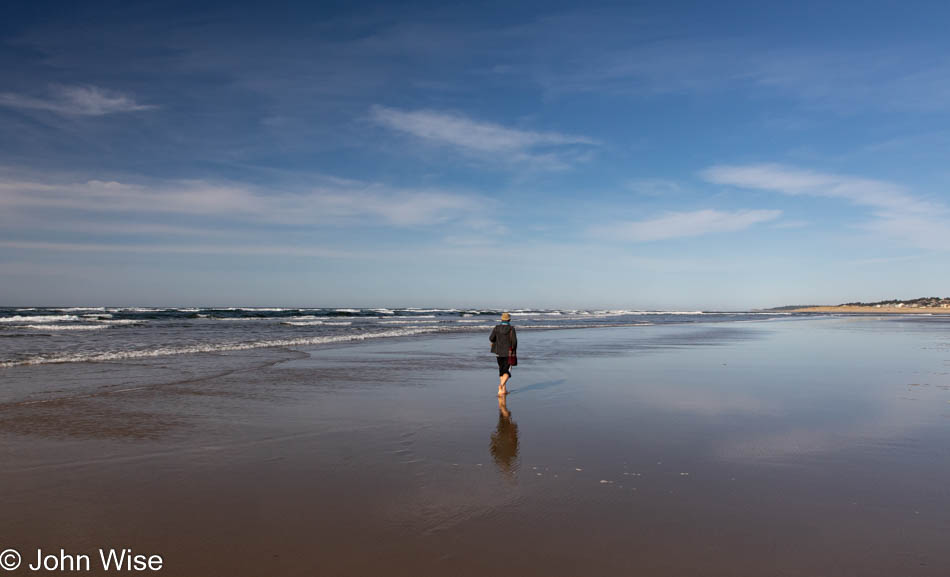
66 327
38 318
211 348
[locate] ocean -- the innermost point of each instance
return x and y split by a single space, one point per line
42 335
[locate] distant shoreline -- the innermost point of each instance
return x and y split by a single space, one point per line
882 310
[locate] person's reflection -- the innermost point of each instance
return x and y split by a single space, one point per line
504 441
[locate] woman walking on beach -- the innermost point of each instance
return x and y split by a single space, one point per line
504 343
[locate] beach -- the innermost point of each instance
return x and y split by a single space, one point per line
784 446
874 310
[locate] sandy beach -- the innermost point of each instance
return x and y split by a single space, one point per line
787 447
881 310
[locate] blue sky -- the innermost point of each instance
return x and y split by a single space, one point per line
696 155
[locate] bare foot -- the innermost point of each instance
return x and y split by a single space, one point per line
502 391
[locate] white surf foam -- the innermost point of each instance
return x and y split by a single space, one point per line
315 323
66 327
536 313
38 319
214 348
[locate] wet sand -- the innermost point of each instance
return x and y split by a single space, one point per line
798 447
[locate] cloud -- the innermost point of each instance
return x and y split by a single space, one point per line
251 250
895 212
794 181
689 224
552 150
75 101
327 202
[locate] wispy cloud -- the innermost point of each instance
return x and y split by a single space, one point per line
547 149
329 202
237 249
794 181
75 101
689 224
896 213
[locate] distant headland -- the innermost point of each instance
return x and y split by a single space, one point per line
920 305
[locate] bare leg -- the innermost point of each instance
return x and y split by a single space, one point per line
502 390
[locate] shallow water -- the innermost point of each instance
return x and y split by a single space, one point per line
785 447
30 336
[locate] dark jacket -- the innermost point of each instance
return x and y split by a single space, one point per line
503 337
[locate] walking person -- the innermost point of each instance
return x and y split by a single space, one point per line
504 343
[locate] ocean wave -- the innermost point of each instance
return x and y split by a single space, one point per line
315 323
66 327
38 318
214 348
522 313
405 321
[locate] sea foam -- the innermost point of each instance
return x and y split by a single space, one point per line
213 348
38 318
66 327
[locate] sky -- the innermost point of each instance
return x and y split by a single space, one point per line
652 155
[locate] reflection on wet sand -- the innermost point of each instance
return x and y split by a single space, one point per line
807 447
504 441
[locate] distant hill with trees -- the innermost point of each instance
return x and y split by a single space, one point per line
918 305
922 302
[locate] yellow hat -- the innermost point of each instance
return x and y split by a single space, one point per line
505 317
